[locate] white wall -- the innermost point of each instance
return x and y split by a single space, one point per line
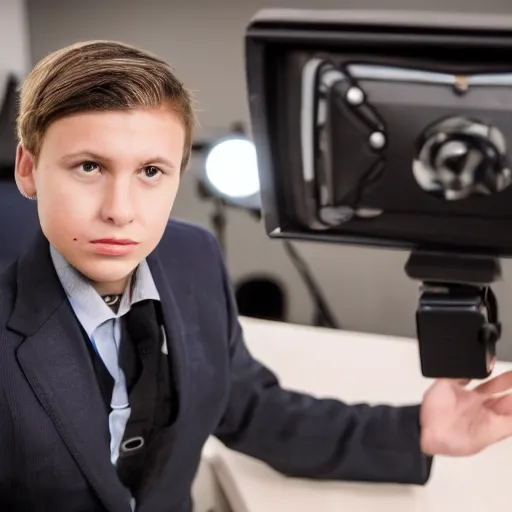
14 40
203 40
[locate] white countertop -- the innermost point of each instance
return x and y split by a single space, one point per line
356 367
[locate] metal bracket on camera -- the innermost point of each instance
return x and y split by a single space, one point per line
326 86
457 316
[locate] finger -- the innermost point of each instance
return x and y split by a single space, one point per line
501 405
499 384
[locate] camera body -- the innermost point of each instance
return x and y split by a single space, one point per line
383 129
391 129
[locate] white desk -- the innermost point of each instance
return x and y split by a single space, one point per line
356 367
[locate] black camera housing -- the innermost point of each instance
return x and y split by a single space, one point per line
390 129
279 44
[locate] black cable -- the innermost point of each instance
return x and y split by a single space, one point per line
324 315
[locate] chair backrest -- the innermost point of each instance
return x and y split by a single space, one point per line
18 222
8 109
18 216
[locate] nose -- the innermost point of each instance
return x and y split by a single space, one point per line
117 207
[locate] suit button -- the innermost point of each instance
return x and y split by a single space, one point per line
132 445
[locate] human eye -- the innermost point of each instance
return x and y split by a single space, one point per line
88 167
151 172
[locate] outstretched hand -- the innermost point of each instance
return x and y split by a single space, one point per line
458 421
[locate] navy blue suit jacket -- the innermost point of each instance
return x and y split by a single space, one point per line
54 447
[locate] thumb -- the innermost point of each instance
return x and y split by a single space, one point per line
500 404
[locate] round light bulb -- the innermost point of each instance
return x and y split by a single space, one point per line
231 168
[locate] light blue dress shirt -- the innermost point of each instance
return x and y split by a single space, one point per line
103 326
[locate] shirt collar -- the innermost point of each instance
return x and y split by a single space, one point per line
89 307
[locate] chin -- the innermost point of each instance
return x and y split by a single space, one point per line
108 270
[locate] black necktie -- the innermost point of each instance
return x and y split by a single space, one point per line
139 355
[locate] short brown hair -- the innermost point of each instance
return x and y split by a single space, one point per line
98 76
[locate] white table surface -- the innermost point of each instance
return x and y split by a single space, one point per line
356 367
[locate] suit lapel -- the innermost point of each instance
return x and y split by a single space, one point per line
175 332
57 365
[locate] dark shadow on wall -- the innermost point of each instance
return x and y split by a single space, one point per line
261 297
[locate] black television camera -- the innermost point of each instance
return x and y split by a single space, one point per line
391 129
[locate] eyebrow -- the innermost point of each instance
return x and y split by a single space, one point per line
91 155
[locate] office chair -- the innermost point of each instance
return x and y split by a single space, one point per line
18 216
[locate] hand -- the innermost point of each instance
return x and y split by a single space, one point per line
457 421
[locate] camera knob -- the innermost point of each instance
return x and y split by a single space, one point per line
355 96
458 161
460 158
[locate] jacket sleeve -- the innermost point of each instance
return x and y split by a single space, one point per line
302 436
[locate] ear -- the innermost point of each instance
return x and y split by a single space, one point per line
24 172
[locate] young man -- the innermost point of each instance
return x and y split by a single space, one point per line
120 348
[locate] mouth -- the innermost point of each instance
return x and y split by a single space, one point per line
114 241
113 246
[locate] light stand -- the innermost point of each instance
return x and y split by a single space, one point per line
457 317
218 219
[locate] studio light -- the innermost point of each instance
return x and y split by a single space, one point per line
231 172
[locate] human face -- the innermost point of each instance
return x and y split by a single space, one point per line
105 185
